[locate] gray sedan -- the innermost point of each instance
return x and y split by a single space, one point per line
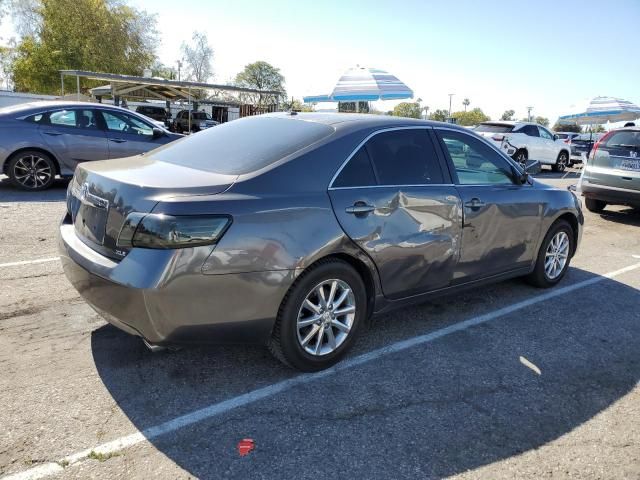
294 230
41 140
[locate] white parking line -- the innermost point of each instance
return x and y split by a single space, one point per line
216 409
29 262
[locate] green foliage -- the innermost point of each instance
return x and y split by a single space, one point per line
295 105
595 129
95 35
472 117
407 109
558 127
263 76
466 102
544 121
439 115
508 115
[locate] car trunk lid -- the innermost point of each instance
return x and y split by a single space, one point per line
102 195
615 161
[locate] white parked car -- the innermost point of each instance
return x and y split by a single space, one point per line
525 140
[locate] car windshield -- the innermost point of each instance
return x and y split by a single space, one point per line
243 146
493 128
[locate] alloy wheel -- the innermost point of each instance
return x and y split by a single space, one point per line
326 317
562 162
32 171
556 255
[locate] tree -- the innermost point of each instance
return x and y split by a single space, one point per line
439 115
508 115
595 129
296 106
567 128
161 70
96 35
262 76
472 117
7 56
198 57
466 102
544 121
407 109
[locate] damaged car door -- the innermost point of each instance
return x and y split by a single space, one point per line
396 201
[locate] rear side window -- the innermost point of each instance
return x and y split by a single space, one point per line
358 172
530 130
243 146
65 118
562 136
404 157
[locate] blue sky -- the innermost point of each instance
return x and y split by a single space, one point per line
553 56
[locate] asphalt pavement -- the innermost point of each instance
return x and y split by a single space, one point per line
505 381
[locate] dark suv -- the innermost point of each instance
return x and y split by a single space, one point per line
611 175
155 112
199 121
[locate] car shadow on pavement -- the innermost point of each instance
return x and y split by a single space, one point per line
465 400
10 194
627 216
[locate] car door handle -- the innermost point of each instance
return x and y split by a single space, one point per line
360 208
53 134
474 203
117 140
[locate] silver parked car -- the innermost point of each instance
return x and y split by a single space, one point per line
611 175
293 230
43 139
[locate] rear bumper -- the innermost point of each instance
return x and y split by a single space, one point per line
611 195
162 296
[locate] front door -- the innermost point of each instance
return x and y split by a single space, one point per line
394 200
548 145
127 135
74 137
501 218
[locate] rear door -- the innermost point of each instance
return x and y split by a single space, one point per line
532 141
128 135
548 146
616 161
74 136
501 218
394 200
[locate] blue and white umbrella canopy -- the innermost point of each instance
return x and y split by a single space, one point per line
602 110
365 84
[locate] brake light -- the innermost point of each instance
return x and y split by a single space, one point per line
568 140
597 144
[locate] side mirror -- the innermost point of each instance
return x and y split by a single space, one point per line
157 133
555 137
531 168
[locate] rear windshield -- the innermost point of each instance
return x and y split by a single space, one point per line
628 138
243 146
493 128
200 116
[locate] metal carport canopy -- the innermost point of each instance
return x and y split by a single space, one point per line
156 87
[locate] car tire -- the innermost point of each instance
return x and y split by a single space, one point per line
561 162
594 205
554 256
32 170
293 340
179 128
521 156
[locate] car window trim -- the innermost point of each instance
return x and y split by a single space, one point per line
426 128
516 169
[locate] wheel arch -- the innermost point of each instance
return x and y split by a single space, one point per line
10 157
571 219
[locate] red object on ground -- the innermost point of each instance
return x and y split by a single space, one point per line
245 446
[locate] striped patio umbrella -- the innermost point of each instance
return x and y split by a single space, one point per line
365 84
602 110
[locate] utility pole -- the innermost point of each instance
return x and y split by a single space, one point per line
179 67
529 113
450 97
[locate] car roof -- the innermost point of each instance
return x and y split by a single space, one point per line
511 123
26 108
357 121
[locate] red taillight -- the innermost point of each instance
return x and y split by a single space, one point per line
568 140
597 144
498 138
